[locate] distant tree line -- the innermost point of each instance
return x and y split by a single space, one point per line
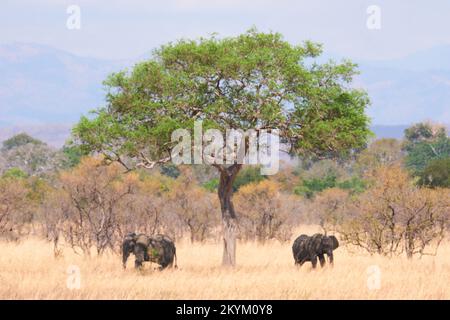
390 198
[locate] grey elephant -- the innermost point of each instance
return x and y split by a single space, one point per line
306 248
159 249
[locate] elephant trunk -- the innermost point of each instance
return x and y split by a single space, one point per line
127 249
124 259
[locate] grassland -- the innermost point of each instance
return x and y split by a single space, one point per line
28 270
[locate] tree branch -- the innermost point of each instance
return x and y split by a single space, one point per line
149 164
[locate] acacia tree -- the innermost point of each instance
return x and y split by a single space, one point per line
381 152
32 156
423 143
252 81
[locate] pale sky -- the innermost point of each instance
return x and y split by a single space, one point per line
123 29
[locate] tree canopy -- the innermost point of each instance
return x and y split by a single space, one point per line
252 81
19 140
425 142
436 173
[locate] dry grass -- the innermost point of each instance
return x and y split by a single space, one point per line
29 271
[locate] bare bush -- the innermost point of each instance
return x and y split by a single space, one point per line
13 207
264 212
194 206
148 210
329 208
394 216
92 199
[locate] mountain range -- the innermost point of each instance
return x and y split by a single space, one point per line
44 90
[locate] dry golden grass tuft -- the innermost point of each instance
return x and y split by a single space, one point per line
28 270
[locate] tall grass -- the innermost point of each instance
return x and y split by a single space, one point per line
28 270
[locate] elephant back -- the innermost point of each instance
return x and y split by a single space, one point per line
142 239
315 243
161 249
156 248
299 246
162 238
299 242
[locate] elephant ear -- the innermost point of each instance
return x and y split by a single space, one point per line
128 243
335 242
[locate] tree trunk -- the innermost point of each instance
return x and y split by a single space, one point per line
409 245
229 220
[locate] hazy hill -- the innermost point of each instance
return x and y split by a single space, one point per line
40 84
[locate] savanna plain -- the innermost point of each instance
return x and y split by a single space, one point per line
29 270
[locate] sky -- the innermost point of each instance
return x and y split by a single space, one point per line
124 29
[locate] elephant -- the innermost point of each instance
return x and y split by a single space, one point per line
306 248
159 249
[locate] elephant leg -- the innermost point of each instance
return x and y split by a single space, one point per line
314 261
162 265
330 257
171 259
168 260
296 260
124 259
322 260
146 256
137 264
300 260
